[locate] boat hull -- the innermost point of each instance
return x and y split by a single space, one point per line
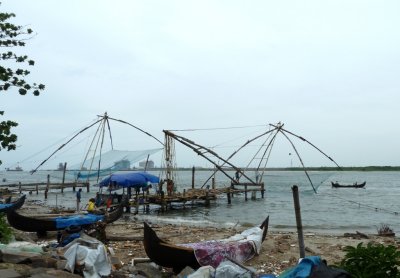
13 206
41 225
337 185
173 256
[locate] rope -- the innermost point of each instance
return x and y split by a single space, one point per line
233 154
145 132
305 140
216 128
63 145
109 130
364 205
269 146
266 161
91 144
301 161
258 151
191 145
45 149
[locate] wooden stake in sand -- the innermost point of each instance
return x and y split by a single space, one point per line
296 200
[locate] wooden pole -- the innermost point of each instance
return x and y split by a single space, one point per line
137 204
193 171
245 192
298 220
213 183
46 190
129 193
207 199
63 178
262 190
228 195
147 162
20 188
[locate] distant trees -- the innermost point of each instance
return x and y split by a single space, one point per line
12 75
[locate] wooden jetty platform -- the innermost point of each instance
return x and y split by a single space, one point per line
192 196
188 197
46 186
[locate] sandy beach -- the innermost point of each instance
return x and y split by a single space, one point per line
280 250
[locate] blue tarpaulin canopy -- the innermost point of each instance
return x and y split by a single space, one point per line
129 179
63 222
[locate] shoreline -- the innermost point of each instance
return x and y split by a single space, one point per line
279 251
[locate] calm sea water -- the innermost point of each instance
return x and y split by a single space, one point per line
330 210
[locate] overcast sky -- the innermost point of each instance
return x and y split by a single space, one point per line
328 70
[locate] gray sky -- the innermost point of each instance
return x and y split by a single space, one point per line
329 70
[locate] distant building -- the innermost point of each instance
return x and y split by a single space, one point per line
150 164
60 166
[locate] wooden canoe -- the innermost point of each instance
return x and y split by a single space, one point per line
42 225
13 206
173 256
355 185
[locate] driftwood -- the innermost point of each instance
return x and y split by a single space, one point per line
140 260
309 250
124 238
357 234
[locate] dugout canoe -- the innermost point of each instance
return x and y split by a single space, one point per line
14 205
174 256
355 185
42 225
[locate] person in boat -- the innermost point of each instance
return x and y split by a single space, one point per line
91 205
78 198
98 200
109 202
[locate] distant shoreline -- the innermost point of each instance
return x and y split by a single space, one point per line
322 168
366 168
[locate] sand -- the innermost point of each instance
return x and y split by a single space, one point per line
280 250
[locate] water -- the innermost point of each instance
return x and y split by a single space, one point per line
331 210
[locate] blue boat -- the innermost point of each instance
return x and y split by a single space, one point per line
14 205
41 225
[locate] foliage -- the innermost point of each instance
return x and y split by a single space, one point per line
384 229
374 260
5 230
12 36
7 139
